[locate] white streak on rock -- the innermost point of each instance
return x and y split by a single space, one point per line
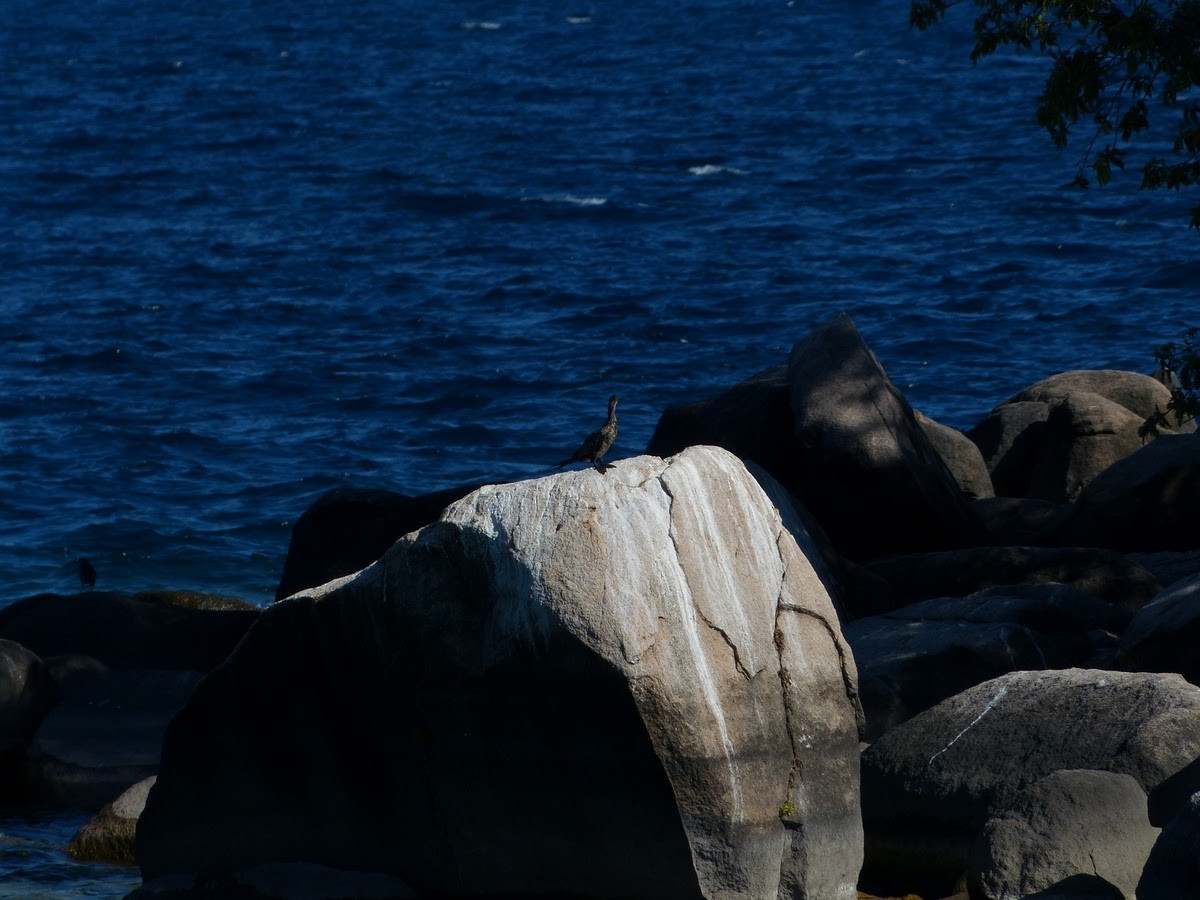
987 709
687 615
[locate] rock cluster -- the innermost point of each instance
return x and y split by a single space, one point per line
812 641
88 683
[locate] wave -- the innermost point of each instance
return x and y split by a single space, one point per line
710 169
570 199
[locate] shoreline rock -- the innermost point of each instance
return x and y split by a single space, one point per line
110 835
943 774
1146 502
915 657
1082 832
347 529
113 670
124 632
1104 574
640 668
837 434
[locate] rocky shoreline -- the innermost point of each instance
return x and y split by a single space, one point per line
811 643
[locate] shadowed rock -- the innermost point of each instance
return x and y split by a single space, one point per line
865 468
1138 393
1019 522
1084 435
196 600
752 420
961 456
1146 502
835 431
934 781
957 573
642 673
104 734
1171 871
1163 635
1049 440
124 633
915 657
117 669
347 529
1009 437
1169 566
27 694
1082 826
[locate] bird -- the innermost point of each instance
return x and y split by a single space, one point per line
87 574
596 444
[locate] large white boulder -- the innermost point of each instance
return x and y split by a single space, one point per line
629 684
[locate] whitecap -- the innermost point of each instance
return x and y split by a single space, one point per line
569 198
578 20
577 201
710 169
482 26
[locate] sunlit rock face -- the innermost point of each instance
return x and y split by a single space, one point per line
833 429
622 684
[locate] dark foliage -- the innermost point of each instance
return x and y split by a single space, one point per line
1179 365
1116 66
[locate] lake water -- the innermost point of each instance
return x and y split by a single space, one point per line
254 251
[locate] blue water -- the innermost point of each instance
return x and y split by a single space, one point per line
33 866
254 251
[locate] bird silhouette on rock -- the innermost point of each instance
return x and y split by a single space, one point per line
87 574
596 444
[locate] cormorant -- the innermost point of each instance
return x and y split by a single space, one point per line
596 444
87 574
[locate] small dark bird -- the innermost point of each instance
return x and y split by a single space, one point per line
87 574
596 444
